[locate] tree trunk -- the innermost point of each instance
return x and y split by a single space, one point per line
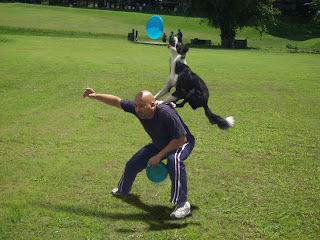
227 36
100 3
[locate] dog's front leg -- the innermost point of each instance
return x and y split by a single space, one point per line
169 84
168 100
163 92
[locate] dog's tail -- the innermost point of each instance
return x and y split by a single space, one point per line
215 119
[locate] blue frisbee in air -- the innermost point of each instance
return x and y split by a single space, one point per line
158 173
154 27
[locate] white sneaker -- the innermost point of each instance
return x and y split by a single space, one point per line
182 210
116 192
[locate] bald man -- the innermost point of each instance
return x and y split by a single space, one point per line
170 139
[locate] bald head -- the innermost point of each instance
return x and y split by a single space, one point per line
145 96
145 105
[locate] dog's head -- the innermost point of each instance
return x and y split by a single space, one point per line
176 47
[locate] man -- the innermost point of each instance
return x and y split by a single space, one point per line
170 138
179 36
164 37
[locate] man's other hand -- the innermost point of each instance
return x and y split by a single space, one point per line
88 92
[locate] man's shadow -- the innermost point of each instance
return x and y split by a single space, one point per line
157 216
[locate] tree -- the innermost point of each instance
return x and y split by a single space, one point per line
101 3
315 10
230 15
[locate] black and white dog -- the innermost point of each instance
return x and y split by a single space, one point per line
189 86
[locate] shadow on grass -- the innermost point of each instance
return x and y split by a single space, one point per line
55 33
218 47
156 216
215 47
294 29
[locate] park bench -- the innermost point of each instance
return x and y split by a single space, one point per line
200 42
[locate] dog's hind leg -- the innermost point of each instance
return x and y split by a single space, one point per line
180 105
187 98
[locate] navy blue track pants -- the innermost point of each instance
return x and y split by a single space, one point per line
175 165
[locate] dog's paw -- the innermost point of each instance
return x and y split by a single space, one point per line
159 102
172 105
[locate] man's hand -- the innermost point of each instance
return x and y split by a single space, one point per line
174 144
106 98
88 92
154 161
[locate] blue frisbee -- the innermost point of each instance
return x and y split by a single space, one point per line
158 173
154 27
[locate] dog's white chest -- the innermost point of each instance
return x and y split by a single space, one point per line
172 79
172 66
174 60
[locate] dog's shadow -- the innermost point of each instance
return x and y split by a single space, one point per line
156 216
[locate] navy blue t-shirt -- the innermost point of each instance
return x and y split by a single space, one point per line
165 125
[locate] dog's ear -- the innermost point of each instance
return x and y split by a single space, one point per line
185 49
182 49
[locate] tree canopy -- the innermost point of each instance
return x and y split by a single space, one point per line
230 15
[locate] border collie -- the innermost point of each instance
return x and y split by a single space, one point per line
189 86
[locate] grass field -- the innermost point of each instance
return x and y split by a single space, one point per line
61 155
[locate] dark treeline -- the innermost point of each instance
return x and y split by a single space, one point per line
176 6
302 8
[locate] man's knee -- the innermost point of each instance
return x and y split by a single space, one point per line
170 161
135 165
129 165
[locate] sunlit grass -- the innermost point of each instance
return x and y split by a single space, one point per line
60 154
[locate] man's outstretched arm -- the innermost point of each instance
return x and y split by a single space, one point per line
106 98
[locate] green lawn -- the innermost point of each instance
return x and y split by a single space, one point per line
61 155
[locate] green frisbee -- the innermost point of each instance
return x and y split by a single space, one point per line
158 173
